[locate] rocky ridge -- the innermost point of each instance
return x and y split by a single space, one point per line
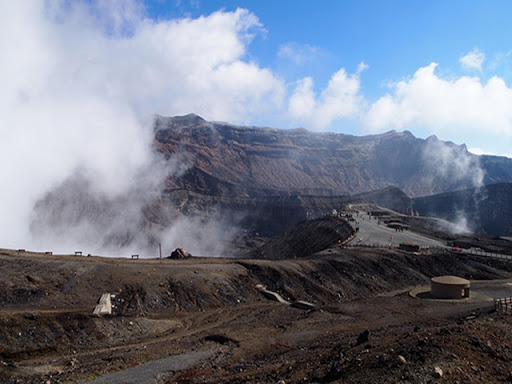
263 181
228 160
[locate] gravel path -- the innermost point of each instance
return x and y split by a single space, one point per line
370 232
148 373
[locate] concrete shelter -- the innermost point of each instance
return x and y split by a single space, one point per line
449 287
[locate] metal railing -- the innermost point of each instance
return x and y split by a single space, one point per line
425 249
503 304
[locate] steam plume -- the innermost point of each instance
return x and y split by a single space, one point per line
455 168
81 81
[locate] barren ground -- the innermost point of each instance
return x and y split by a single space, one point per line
204 320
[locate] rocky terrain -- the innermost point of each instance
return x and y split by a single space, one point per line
261 181
228 160
304 239
296 305
206 320
296 174
486 209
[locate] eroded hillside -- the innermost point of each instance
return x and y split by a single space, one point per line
212 313
230 160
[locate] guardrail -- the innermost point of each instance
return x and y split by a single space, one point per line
369 246
394 246
424 249
487 254
503 304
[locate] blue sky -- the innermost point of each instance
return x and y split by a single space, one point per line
393 38
82 79
356 67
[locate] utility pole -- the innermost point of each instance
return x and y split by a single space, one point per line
160 246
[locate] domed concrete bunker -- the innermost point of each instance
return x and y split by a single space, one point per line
449 287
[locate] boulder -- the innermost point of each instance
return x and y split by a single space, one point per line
179 254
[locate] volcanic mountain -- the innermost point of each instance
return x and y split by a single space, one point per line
228 160
265 180
285 176
485 209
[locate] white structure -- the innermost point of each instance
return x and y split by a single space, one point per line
104 306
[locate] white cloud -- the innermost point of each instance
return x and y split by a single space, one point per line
450 107
476 151
298 53
81 80
362 67
480 151
473 60
302 103
340 99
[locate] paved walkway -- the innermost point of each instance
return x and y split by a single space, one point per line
148 373
371 233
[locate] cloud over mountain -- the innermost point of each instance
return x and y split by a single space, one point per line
451 107
81 81
340 99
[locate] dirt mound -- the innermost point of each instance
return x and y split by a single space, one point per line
305 239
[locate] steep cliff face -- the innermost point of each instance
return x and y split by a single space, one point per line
266 180
229 160
486 209
275 178
497 169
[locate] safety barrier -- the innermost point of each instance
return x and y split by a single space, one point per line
503 304
424 249
498 256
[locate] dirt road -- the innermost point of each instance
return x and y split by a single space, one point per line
372 233
150 372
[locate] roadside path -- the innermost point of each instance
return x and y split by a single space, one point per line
370 233
148 373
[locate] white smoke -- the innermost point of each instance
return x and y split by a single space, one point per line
76 215
452 165
454 168
81 81
461 225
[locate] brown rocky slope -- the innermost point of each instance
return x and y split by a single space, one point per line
172 307
230 160
263 181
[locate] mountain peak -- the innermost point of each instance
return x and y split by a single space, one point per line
231 160
186 121
190 119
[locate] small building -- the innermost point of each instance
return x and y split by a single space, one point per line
104 306
379 213
409 247
384 219
449 287
399 227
